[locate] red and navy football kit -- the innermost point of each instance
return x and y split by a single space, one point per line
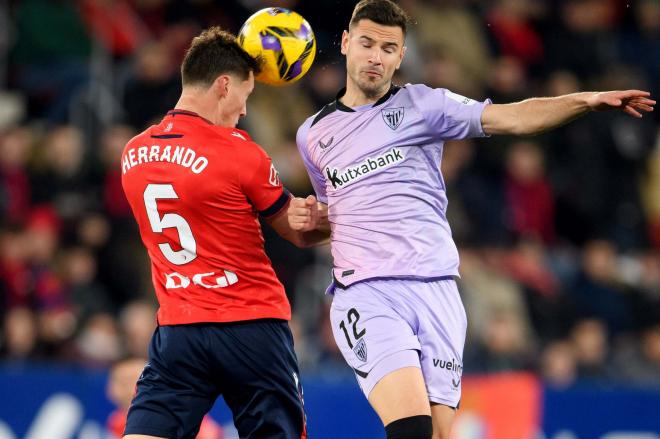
197 191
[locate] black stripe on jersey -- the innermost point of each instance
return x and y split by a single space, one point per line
277 205
176 112
330 108
394 89
167 136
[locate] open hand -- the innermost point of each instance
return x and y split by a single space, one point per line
633 102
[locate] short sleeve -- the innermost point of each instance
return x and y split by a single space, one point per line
448 115
315 175
260 181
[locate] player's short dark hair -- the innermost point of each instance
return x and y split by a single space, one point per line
215 52
384 12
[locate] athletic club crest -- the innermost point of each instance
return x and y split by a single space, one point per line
393 116
360 350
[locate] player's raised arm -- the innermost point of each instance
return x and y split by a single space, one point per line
304 223
533 116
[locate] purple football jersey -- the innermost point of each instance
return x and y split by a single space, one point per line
377 167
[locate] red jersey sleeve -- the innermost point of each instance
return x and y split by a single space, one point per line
261 183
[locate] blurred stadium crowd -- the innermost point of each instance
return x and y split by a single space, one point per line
559 234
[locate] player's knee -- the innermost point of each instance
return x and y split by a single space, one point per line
413 427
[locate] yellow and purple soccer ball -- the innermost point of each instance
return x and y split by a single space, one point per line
285 42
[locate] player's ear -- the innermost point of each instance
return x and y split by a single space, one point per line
403 52
221 85
344 42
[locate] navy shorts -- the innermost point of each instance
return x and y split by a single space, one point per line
251 364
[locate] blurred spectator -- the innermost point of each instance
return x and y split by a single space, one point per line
273 128
137 322
15 192
558 366
154 86
528 193
112 144
15 280
584 42
115 24
590 343
63 175
79 277
639 362
50 55
120 389
455 47
504 347
508 81
509 21
456 158
98 344
640 44
651 193
324 83
93 231
500 335
20 335
597 291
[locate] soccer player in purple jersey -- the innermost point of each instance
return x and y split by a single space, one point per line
373 156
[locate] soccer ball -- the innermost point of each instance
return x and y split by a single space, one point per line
285 42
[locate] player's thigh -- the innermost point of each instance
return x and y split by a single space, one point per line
443 417
371 335
400 394
441 333
261 384
176 388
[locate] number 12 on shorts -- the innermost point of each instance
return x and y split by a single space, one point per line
353 316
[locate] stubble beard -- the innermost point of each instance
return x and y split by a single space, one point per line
372 89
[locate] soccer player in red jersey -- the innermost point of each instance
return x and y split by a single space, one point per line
197 185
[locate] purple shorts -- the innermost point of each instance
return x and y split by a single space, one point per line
384 325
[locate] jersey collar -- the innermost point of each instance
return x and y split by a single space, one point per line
340 106
177 112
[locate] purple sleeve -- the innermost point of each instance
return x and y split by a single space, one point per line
449 115
315 175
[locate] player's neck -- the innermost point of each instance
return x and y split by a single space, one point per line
192 100
354 97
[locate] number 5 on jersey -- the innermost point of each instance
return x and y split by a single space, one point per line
188 252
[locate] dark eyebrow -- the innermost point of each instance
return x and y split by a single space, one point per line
387 43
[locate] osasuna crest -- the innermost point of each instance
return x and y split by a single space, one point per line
393 117
360 350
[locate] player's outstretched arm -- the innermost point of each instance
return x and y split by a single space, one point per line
304 223
533 116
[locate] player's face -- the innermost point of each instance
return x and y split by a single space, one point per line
373 53
233 105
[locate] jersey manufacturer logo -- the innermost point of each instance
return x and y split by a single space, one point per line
393 116
168 128
274 178
326 145
206 280
239 135
344 177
